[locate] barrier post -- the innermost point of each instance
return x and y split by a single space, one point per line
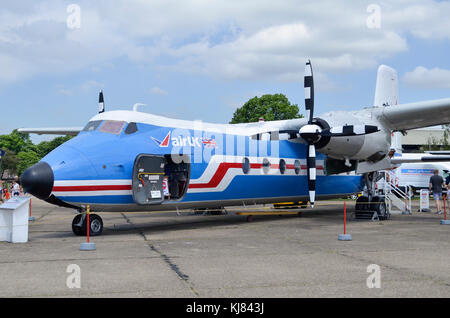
88 246
406 202
445 221
345 219
30 218
345 236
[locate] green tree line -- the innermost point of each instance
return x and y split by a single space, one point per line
22 153
269 107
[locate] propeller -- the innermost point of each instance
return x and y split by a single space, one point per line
312 132
101 103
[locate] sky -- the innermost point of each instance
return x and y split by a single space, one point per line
202 59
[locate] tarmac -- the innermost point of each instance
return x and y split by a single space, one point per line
187 255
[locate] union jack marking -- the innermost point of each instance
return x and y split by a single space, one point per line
209 142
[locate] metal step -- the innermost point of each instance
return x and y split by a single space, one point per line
364 214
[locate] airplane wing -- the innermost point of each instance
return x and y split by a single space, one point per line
416 115
52 131
419 157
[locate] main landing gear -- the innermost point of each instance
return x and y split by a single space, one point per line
371 205
79 224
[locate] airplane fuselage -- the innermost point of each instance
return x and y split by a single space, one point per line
216 167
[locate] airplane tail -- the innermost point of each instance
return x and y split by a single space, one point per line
386 91
386 94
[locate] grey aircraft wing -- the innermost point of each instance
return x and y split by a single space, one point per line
73 131
416 115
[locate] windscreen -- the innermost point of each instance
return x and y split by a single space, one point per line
92 125
112 126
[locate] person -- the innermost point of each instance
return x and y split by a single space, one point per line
436 184
7 196
15 189
447 187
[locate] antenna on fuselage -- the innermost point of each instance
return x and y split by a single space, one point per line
135 106
101 103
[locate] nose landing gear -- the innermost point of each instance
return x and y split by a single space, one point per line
79 225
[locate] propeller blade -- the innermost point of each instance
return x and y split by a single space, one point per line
309 92
311 172
349 130
101 103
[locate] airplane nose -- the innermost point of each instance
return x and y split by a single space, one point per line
38 180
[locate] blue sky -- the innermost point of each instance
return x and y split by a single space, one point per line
203 59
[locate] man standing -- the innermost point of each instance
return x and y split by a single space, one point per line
436 184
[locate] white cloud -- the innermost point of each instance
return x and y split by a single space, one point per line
158 91
226 39
91 84
426 19
422 77
65 92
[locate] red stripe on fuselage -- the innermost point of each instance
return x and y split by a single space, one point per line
214 182
218 176
225 166
92 188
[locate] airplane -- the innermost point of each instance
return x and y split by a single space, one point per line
134 161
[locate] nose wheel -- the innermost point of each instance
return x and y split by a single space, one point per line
79 225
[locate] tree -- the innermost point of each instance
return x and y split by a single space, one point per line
45 147
9 162
21 153
269 107
445 141
26 159
16 142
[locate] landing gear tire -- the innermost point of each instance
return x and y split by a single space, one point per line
380 207
95 226
77 227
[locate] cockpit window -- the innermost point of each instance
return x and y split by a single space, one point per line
92 125
112 126
131 129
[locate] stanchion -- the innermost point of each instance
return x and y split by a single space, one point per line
30 218
406 212
345 236
445 221
88 246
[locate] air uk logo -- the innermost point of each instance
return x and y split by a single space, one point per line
165 142
184 141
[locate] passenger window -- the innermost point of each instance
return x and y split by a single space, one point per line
282 166
266 165
246 165
274 135
297 166
131 129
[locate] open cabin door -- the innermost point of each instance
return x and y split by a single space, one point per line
157 179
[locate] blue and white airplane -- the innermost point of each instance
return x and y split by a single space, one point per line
135 161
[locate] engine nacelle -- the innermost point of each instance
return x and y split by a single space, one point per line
372 147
